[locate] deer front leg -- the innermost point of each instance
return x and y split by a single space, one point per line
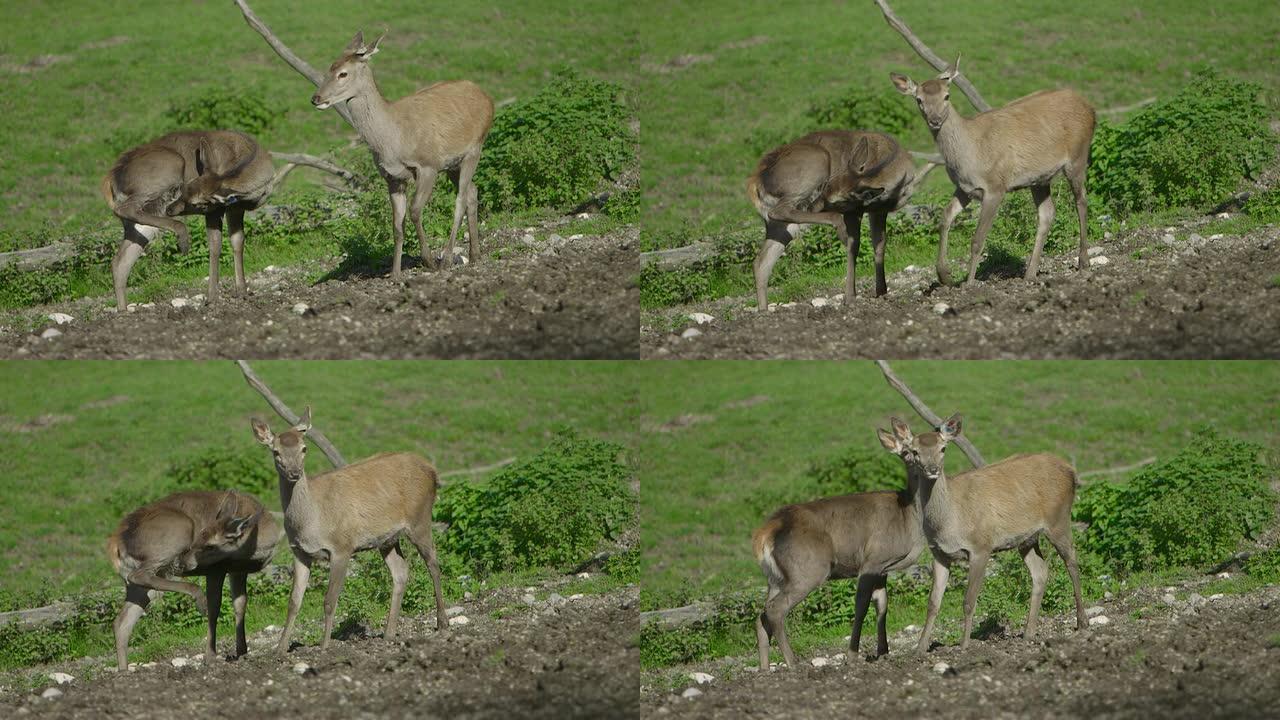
136 600
881 597
941 570
399 205
424 186
990 205
850 231
958 203
301 574
213 592
235 229
877 221
866 583
240 602
337 576
213 231
977 573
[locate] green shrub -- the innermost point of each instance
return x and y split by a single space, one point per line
247 469
557 147
1189 151
1264 565
662 288
1265 206
859 108
1192 509
224 107
856 468
551 510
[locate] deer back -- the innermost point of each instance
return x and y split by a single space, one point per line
444 121
366 503
1014 496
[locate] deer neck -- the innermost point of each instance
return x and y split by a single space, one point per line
955 143
933 500
295 499
372 116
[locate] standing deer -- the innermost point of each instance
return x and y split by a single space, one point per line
362 506
190 172
864 535
997 507
440 127
197 532
830 177
1021 145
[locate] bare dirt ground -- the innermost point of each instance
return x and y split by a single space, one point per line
1193 658
1193 297
572 659
576 297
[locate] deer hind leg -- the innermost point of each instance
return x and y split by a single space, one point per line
977 574
804 572
1076 177
337 577
240 603
132 209
213 595
990 206
1042 196
878 220
941 571
399 568
464 180
850 231
135 240
136 600
421 538
777 235
424 187
866 586
881 597
399 206
762 632
146 577
1060 538
235 230
958 203
1039 570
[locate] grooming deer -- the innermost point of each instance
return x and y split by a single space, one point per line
211 173
830 177
438 128
197 532
1021 145
997 507
363 506
864 535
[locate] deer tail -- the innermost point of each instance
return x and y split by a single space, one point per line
762 544
108 190
115 551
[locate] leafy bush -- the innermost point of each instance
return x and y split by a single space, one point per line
224 107
1192 509
1265 206
550 510
857 107
856 468
1188 151
247 469
558 146
1264 565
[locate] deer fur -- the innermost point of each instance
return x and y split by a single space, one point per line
1021 145
363 506
830 177
211 173
197 532
441 127
997 507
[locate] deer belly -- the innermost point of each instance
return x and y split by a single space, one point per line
379 540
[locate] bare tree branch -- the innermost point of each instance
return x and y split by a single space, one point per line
929 416
930 56
1117 470
304 69
290 416
1126 108
480 469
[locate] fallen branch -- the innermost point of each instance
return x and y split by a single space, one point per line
61 610
318 163
1126 108
36 258
675 617
481 469
1117 470
290 416
304 69
929 416
931 57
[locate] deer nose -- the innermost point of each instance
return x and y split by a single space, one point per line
315 99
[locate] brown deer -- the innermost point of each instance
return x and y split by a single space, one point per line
864 535
1021 145
830 177
197 532
363 506
440 127
1001 506
211 173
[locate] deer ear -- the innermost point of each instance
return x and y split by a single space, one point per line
861 155
901 430
952 70
356 43
237 526
304 423
903 83
262 432
950 427
889 441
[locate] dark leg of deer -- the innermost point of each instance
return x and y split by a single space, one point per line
1076 177
424 186
803 576
131 209
235 229
466 173
213 594
399 205
213 231
426 545
136 600
941 571
850 231
337 576
762 630
1039 570
301 574
1043 199
958 203
146 577
990 205
881 597
1061 540
777 235
399 579
240 603
877 221
866 584
977 574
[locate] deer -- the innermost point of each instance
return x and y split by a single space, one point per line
863 535
190 172
441 127
366 505
1024 144
994 508
191 533
830 177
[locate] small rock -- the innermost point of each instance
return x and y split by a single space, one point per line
179 302
819 662
701 318
453 611
1224 576
1106 235
911 629
690 333
701 678
301 668
788 304
467 595
1216 596
1108 595
300 308
61 678
198 298
1168 599
751 309
691 693
1223 215
1168 239
576 596
555 599
1216 236
528 599
583 575
1093 611
179 662
147 665
943 669
61 318
52 693
132 307
270 268
1098 260
1095 250
1196 599
147 305
1099 620
528 239
941 308
459 620
51 333
820 302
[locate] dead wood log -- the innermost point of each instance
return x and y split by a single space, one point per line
929 416
322 442
931 57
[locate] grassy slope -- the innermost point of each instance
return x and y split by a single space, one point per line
699 481
63 125
60 481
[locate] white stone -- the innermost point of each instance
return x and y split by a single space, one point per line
788 304
690 333
576 596
1106 235
584 575
1224 576
61 678
453 611
1095 250
701 318
819 662
555 599
751 309
52 693
179 662
691 693
1168 239
1099 620
301 668
61 318
459 620
528 599
300 308
269 268
1195 599
1216 236
941 668
575 237
1216 596
198 298
179 302
1168 599
701 678
51 333
1098 260
147 305
911 629
1093 611
941 308
528 239
1223 215
148 665
820 302
1108 595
